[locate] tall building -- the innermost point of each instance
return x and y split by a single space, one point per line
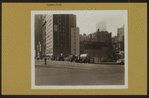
120 38
43 48
101 25
101 36
114 44
81 38
120 33
49 35
38 35
97 50
58 33
75 49
104 36
84 37
94 37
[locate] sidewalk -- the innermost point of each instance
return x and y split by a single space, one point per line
106 63
68 63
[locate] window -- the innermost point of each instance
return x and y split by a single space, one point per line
122 38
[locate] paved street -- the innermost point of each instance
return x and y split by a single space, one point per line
67 73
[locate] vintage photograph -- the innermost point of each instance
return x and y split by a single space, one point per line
79 48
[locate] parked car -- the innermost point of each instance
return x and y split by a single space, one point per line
71 58
59 58
84 58
92 60
37 58
53 58
104 58
121 61
66 58
77 59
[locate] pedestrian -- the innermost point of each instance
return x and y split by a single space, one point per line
45 60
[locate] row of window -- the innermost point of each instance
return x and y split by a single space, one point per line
49 19
61 45
60 30
49 30
47 51
49 42
49 48
49 15
49 36
50 24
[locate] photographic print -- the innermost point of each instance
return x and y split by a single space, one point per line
82 49
58 48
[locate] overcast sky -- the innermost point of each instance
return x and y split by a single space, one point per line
87 22
87 19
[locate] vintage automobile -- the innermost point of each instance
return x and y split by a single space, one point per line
84 58
53 58
71 58
121 61
60 58
66 58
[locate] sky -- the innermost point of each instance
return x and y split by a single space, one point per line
87 19
87 22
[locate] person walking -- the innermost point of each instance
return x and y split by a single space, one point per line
45 60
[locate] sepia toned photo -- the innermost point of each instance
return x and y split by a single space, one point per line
79 49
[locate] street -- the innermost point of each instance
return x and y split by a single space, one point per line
67 73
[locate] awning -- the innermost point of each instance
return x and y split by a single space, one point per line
50 54
83 55
121 53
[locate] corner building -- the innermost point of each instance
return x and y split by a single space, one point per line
75 49
43 44
120 36
38 35
58 33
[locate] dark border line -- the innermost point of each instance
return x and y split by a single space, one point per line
75 1
147 48
1 47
